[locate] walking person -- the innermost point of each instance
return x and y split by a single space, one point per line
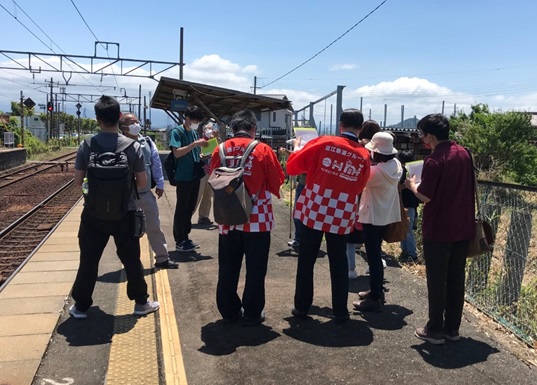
263 176
337 169
447 190
130 127
94 231
185 145
379 206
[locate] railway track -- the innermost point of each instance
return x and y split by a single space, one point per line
13 176
19 240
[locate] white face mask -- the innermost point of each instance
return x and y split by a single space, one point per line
208 133
194 126
134 129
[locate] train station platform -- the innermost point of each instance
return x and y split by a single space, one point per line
186 343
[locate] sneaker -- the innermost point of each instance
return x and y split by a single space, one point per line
353 274
75 313
452 336
293 243
196 245
433 338
167 264
246 321
368 305
299 314
367 295
205 221
146 308
185 246
384 265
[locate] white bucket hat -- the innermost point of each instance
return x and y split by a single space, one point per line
381 142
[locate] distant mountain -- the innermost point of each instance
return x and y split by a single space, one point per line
409 123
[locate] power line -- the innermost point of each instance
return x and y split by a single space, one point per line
96 38
328 46
37 37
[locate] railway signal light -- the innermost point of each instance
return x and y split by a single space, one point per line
50 106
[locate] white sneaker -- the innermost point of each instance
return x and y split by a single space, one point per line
146 308
75 313
383 265
353 274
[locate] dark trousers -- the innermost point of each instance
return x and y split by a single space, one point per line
93 236
231 249
187 195
298 224
373 243
337 258
445 264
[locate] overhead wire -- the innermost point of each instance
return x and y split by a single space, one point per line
97 39
326 47
37 37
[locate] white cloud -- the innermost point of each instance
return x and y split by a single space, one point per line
342 67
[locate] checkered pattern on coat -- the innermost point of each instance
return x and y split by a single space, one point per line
261 218
327 210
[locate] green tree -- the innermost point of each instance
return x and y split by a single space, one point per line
500 142
16 109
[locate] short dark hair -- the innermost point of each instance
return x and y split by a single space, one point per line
435 124
107 110
352 118
406 156
194 113
243 120
369 128
381 158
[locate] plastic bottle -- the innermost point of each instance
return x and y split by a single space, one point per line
85 186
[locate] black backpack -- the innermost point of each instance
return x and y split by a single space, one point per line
110 181
170 165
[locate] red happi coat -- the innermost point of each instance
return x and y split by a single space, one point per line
337 170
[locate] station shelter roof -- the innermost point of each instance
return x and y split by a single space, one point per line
173 94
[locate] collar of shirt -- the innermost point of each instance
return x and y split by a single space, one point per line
350 135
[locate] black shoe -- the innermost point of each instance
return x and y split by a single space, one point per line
205 221
167 264
299 314
341 320
233 319
246 321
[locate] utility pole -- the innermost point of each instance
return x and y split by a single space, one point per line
255 84
181 64
78 106
22 119
145 120
51 111
140 100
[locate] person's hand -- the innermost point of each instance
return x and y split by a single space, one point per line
296 143
201 142
411 183
159 192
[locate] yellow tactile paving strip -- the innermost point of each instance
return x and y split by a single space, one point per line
174 369
134 352
133 355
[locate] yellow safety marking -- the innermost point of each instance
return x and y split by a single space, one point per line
174 368
133 354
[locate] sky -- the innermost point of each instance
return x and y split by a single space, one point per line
420 54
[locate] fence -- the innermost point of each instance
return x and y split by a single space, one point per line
503 283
